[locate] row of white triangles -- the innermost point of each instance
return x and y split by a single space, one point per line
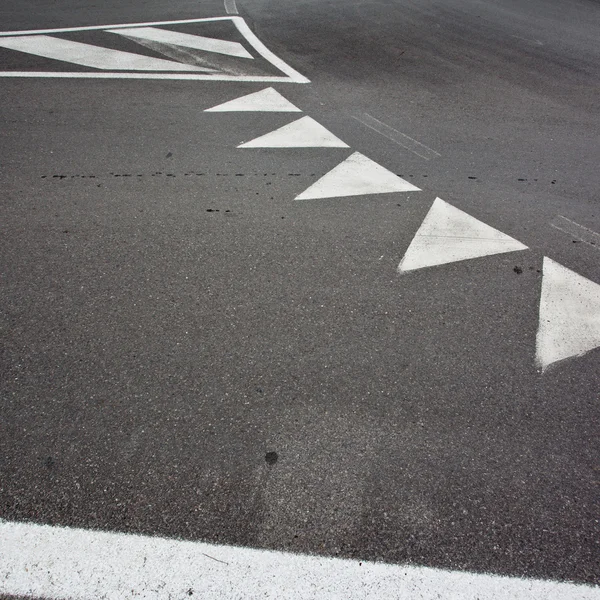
448 234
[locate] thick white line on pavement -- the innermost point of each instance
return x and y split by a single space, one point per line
63 563
90 56
197 42
569 315
356 176
267 100
99 27
243 28
139 75
303 133
448 234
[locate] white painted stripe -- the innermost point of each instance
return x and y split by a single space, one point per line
448 234
99 27
116 75
197 42
231 7
243 28
90 56
267 100
569 315
61 563
303 133
356 176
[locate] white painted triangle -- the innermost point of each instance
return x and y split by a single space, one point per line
267 100
303 133
197 42
569 315
448 234
356 176
88 55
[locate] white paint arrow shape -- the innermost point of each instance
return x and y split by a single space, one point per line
569 315
303 133
448 234
356 176
267 100
197 42
90 56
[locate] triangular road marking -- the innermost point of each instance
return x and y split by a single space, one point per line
303 133
569 315
356 176
90 56
197 42
267 100
448 234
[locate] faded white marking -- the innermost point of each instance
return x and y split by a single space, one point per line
303 133
62 563
575 230
569 315
90 56
356 176
532 40
291 74
448 234
398 137
197 42
267 100
139 75
231 7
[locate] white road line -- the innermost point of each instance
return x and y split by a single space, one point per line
266 53
575 230
100 27
116 75
197 42
303 133
356 176
90 56
396 136
231 7
448 234
569 322
62 563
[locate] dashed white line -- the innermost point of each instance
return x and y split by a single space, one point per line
61 563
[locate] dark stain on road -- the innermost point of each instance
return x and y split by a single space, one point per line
271 458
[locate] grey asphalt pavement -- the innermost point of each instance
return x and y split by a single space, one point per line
171 317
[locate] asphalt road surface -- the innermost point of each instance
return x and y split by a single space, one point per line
189 352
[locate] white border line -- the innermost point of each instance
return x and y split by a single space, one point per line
62 563
292 75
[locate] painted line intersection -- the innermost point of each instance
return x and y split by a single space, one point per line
200 60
